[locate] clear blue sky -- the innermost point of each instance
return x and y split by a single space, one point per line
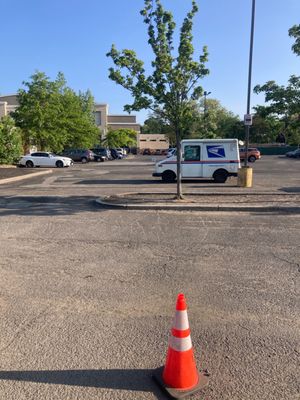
73 36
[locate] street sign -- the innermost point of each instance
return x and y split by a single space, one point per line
247 119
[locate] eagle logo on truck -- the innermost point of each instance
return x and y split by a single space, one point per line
215 151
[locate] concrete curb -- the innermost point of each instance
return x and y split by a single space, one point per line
21 177
197 207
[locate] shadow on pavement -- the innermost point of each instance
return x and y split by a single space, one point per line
47 205
144 182
118 182
119 379
290 189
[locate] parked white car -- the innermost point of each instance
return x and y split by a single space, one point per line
45 159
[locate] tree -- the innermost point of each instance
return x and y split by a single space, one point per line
294 32
173 83
284 104
77 119
10 141
120 138
155 124
284 101
212 120
52 116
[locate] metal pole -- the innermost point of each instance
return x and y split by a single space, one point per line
249 83
205 110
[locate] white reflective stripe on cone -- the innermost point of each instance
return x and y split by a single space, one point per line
180 344
181 321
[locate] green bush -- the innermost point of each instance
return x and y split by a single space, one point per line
10 141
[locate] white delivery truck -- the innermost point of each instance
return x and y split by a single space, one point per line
202 158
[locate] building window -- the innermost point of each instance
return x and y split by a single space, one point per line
98 118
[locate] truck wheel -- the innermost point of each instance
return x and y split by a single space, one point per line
84 160
168 176
252 159
220 176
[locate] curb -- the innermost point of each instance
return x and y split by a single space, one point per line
196 207
21 177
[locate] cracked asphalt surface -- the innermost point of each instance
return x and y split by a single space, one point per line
87 295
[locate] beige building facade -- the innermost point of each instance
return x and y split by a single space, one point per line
153 142
104 121
8 104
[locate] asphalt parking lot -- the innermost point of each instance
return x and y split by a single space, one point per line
87 295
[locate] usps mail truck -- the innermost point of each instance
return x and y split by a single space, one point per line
202 158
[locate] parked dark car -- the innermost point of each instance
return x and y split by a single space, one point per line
83 155
102 152
293 154
146 152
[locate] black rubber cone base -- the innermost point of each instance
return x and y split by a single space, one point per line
176 393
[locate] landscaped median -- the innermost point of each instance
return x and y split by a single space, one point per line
245 201
10 174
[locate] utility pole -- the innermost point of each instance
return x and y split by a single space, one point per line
245 173
248 118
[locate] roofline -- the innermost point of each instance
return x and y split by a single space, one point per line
209 140
8 95
122 123
121 115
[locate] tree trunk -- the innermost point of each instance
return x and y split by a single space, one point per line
178 146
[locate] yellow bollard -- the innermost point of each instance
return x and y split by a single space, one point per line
245 177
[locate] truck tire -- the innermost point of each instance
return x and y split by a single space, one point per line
168 176
252 159
220 176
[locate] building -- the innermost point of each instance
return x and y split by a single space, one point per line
123 122
104 121
153 142
8 104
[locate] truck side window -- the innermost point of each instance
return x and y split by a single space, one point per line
192 153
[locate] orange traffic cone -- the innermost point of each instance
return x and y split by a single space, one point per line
180 377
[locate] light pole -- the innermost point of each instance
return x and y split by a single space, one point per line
248 119
205 94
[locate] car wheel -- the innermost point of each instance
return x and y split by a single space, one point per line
84 160
220 176
29 164
252 159
168 176
59 164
